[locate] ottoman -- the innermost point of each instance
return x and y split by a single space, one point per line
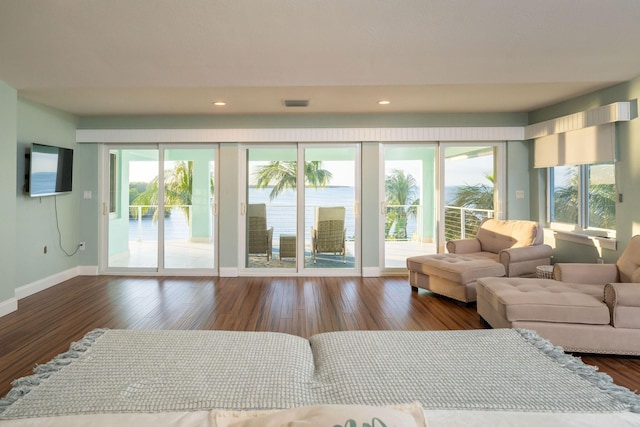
452 275
517 302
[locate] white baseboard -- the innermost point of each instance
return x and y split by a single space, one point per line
45 283
228 272
370 271
8 306
87 270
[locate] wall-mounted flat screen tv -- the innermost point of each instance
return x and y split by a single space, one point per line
50 170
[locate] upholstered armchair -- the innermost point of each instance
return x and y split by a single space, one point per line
588 308
621 281
517 245
500 248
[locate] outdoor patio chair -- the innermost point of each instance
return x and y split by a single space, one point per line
329 233
260 238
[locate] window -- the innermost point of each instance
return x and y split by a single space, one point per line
583 196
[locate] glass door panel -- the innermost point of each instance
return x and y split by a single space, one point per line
469 189
133 208
410 203
331 197
188 208
271 209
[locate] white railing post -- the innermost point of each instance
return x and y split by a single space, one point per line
140 223
463 230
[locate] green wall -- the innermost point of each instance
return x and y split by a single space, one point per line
89 209
36 217
229 206
8 190
627 169
518 178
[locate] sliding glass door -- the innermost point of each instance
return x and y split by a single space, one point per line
470 190
270 212
331 207
189 208
433 192
311 228
410 203
161 209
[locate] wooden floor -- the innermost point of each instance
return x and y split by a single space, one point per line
46 323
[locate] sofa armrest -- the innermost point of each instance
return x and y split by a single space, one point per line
594 274
526 253
623 300
464 246
523 261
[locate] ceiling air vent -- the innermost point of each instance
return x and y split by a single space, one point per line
295 102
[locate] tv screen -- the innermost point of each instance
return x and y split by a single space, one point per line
50 170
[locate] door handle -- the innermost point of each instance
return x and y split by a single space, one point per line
383 208
243 208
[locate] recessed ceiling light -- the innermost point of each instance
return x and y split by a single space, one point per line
219 103
384 102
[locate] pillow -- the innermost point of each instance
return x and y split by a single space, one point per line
410 415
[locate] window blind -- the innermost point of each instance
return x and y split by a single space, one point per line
595 144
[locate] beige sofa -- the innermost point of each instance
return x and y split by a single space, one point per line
588 308
500 248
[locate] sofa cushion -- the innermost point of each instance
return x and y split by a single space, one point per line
544 300
495 235
462 269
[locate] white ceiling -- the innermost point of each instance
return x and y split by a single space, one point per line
175 57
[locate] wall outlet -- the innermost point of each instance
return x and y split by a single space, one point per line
82 246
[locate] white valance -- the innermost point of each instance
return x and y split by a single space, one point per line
594 144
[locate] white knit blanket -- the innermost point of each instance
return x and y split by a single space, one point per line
147 371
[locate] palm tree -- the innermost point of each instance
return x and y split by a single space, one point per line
284 175
400 191
471 196
178 188
602 203
476 196
602 206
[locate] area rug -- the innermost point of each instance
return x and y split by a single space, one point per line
135 371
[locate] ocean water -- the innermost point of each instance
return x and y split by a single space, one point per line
43 183
282 210
281 213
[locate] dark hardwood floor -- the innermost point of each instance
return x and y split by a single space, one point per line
46 323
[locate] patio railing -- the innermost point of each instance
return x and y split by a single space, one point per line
463 223
459 222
